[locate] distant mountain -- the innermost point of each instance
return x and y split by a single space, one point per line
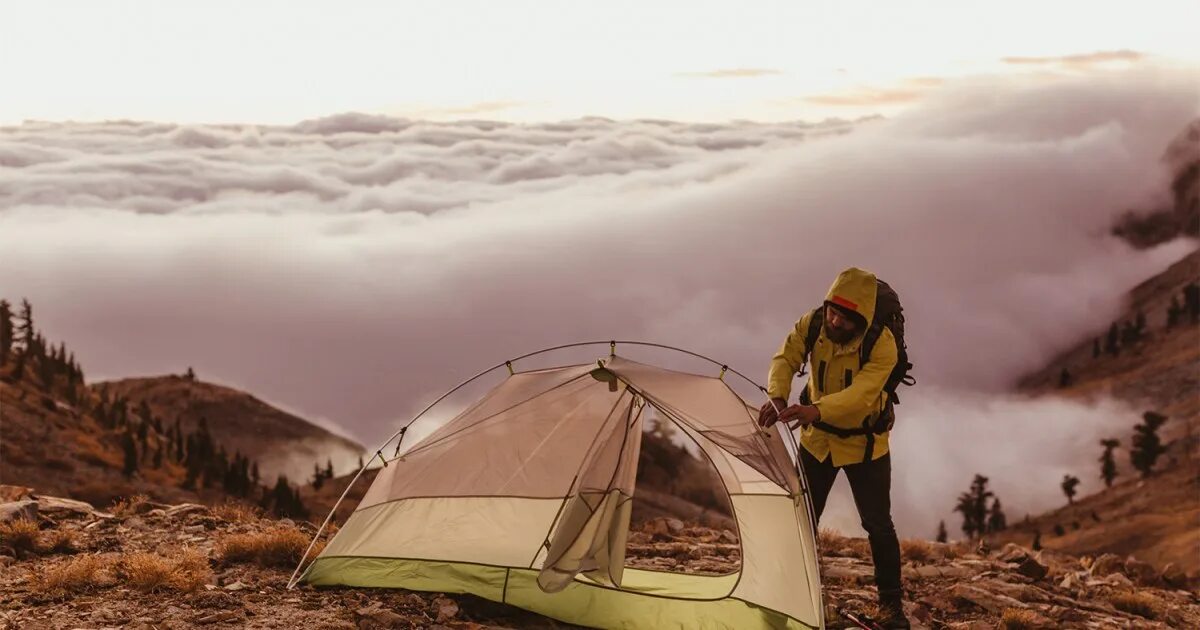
281 443
1156 519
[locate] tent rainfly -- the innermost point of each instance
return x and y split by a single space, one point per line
524 498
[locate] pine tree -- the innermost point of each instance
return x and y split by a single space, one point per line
1069 483
1037 541
973 507
318 479
329 468
996 521
25 330
1147 446
131 454
6 331
1108 465
942 536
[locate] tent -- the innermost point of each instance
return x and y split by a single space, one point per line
525 496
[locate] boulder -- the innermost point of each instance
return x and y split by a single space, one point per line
1013 553
186 508
1174 576
17 510
859 574
1107 564
1031 568
14 493
375 617
445 608
1141 572
994 603
60 507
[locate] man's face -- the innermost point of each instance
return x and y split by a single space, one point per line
839 327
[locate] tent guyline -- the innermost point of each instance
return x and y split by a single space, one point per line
399 535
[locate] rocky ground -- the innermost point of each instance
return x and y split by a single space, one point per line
147 566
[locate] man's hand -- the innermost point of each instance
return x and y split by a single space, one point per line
802 414
769 413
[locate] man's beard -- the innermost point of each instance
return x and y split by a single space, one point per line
839 336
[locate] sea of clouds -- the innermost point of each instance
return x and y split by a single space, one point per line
352 268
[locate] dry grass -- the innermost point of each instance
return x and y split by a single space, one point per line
954 551
235 512
77 575
60 541
1019 619
1135 603
276 547
829 539
916 550
185 572
20 536
129 506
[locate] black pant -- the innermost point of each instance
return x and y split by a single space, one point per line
871 484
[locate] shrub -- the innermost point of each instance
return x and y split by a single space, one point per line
185 571
278 546
1141 604
77 575
235 512
1019 619
130 505
21 536
915 550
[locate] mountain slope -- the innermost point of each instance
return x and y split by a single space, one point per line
1156 519
280 442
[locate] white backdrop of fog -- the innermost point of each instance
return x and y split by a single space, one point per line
354 267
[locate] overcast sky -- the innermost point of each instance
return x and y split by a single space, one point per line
283 61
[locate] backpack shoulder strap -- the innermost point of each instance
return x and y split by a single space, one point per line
814 331
868 344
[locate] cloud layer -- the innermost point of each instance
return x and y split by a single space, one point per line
354 267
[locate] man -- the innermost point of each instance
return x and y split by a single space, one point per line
846 425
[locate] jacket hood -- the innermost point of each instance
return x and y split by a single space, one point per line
855 290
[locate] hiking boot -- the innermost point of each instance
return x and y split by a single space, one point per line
892 617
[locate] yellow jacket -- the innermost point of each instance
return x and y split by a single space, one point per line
845 394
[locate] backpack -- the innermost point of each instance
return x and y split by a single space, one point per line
888 314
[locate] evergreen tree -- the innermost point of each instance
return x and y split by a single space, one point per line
158 456
996 521
25 330
6 331
254 477
19 366
1147 446
1069 483
1108 465
973 507
318 479
1037 541
190 374
1111 345
942 536
131 454
1096 348
1064 378
1058 530
329 468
